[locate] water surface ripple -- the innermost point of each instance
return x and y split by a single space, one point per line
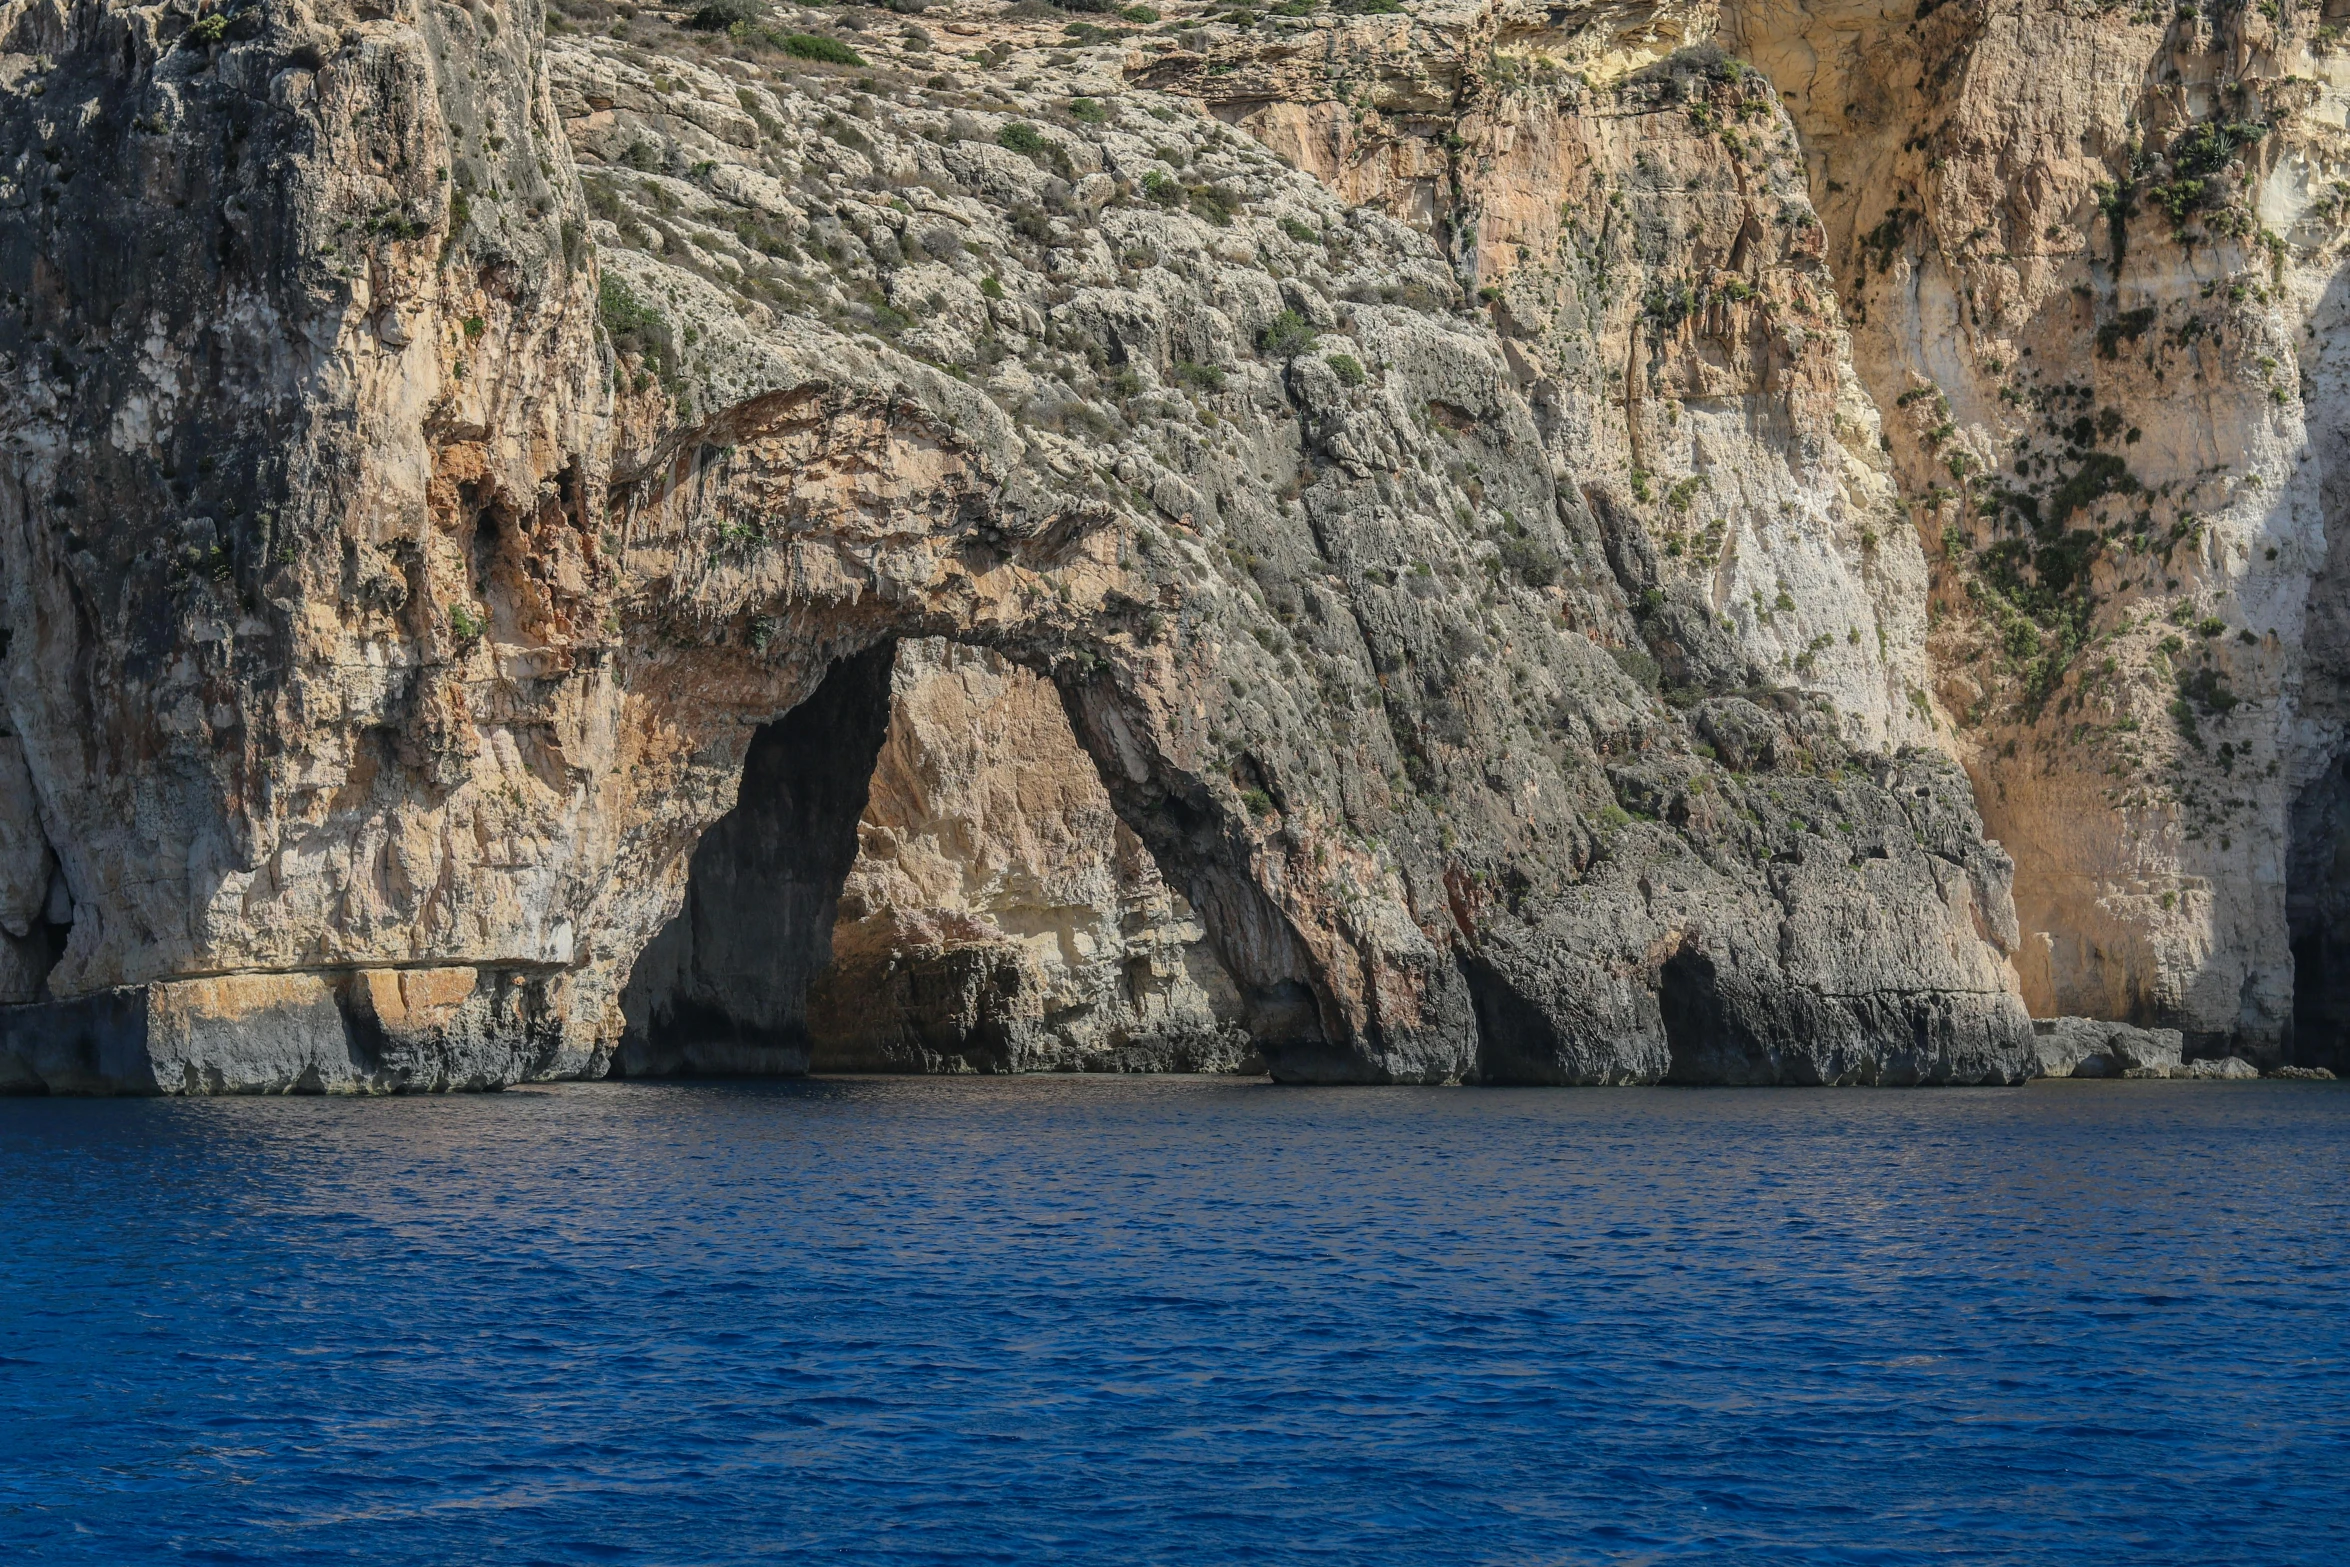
1178 1320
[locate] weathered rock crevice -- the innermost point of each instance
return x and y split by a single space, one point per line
2317 905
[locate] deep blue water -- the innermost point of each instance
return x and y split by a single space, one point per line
1179 1320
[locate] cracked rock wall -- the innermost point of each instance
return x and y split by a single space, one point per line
394 608
2092 254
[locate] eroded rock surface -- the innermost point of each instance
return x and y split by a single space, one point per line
2087 255
1000 917
2092 254
1628 205
399 587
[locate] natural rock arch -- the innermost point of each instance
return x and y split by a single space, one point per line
1000 916
789 489
746 976
843 522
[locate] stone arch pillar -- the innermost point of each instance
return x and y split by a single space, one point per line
723 988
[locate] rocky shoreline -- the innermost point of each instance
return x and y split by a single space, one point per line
192 1038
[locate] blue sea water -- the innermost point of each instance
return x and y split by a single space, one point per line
1187 1321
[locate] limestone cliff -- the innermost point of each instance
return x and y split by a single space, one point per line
2086 254
1629 206
2092 253
1482 603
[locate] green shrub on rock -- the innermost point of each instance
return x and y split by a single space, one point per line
716 16
1023 138
1288 336
824 51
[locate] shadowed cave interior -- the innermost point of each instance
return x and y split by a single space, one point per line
2317 913
723 988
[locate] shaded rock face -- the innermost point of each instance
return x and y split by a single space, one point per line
545 496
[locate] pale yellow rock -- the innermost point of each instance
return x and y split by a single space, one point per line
573 488
992 867
1736 430
417 998
1961 163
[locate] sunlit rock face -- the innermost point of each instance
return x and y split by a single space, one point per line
2092 257
2079 363
1628 204
999 916
1496 635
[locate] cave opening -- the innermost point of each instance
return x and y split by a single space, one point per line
2317 918
1701 1041
924 871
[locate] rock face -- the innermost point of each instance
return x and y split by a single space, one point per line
999 916
296 615
451 612
2087 255
2092 255
1629 204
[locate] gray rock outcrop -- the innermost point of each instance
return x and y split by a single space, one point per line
2223 1068
2089 1047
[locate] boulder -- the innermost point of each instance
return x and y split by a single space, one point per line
2226 1068
2095 1047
